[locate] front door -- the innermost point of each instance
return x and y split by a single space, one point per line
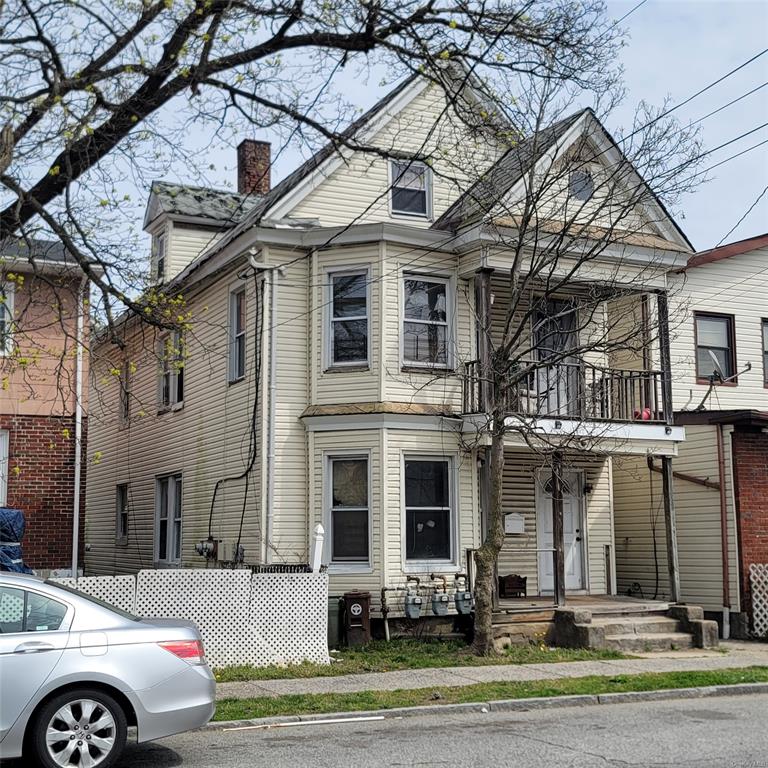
573 532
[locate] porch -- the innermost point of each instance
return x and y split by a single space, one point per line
599 605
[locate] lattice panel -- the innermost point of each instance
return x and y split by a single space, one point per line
758 578
216 600
119 591
289 618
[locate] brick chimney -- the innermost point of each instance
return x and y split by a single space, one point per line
253 167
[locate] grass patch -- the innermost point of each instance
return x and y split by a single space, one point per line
302 704
381 656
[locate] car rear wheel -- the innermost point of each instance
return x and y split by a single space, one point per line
79 729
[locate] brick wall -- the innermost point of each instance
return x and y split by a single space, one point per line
41 484
750 463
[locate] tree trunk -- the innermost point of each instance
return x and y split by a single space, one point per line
487 556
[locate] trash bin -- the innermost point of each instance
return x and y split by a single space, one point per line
357 617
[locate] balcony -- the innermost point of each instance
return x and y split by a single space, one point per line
572 390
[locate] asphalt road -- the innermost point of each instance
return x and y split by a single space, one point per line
703 733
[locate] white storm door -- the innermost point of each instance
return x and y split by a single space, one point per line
573 535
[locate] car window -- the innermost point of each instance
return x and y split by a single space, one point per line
11 610
22 611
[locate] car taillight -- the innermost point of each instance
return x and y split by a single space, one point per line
189 650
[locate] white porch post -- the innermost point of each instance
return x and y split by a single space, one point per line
316 557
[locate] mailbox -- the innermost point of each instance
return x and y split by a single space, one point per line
357 617
440 604
413 606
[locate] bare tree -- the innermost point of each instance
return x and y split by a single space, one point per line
569 327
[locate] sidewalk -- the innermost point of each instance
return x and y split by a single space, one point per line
738 655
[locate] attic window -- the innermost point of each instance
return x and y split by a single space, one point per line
158 246
411 187
581 185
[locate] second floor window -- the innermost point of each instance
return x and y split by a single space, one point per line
168 520
125 392
425 321
349 318
121 513
765 352
6 319
172 370
237 335
715 346
411 187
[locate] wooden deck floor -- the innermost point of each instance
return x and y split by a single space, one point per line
598 604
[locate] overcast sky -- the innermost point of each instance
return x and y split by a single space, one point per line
680 46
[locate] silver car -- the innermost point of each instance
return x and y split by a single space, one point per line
75 673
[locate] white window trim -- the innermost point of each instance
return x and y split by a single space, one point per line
450 320
328 361
429 566
121 539
124 401
4 456
8 307
170 540
345 567
428 179
232 375
161 236
173 404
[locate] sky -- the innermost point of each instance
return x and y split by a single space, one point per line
675 48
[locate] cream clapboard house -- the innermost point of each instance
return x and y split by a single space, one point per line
719 352
327 376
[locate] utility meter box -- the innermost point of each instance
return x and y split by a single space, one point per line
440 604
463 602
357 617
413 606
514 524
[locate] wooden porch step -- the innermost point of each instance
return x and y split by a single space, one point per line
652 641
523 617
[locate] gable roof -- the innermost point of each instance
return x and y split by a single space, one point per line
513 165
50 253
221 206
483 195
728 250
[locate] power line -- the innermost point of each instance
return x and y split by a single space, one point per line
748 211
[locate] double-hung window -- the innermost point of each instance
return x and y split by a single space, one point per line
121 513
349 318
349 510
411 188
237 335
125 392
158 246
6 319
171 370
715 346
168 520
429 512
426 334
765 351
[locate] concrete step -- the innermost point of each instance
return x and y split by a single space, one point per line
652 641
637 625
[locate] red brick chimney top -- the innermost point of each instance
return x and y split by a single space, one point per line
253 167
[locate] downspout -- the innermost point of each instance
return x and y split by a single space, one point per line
724 536
273 270
78 459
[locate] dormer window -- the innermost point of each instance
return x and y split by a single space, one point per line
581 185
158 248
411 188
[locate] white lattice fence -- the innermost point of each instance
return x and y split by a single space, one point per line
259 620
758 580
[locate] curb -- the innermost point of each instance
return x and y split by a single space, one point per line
503 705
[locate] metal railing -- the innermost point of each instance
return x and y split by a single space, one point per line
575 390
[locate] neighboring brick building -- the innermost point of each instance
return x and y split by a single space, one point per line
38 371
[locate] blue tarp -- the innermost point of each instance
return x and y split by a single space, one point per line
11 533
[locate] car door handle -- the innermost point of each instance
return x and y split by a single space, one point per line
33 647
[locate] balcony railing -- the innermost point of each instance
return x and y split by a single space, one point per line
572 390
